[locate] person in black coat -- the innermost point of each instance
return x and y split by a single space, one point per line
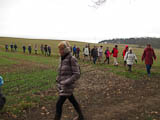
24 48
15 47
46 50
29 49
94 54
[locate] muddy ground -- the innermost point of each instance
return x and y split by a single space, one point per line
106 96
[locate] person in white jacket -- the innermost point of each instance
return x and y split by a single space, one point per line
100 53
85 53
130 57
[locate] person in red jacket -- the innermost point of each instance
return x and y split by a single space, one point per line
124 52
115 55
148 56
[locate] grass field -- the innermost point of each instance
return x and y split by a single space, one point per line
27 77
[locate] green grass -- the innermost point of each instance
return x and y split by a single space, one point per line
25 82
11 58
138 70
6 61
20 88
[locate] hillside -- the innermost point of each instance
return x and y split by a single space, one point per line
104 91
155 42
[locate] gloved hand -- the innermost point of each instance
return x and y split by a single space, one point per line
136 61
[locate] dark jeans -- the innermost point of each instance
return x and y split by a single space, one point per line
94 60
74 53
60 103
129 68
148 67
125 63
77 55
107 59
29 51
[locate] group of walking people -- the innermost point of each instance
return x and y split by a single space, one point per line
45 49
92 54
69 70
12 46
96 53
129 56
76 51
148 56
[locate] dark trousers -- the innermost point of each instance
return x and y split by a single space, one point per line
2 100
77 55
60 103
148 67
74 53
94 60
107 59
129 68
29 51
125 63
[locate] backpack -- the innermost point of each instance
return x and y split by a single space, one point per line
112 51
70 64
105 52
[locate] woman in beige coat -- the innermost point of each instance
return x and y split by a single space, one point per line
68 73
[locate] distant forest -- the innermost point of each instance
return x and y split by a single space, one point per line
141 42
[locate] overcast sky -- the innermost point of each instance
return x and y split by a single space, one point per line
76 20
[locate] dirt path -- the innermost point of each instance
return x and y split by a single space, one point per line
105 96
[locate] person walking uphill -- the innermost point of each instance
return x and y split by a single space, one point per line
124 53
29 49
107 54
94 54
148 56
115 55
130 57
68 73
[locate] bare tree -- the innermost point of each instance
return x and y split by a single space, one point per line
97 3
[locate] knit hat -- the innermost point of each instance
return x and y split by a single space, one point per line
65 45
1 81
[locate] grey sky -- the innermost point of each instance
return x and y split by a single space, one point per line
75 20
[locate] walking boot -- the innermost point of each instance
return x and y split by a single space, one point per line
57 117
